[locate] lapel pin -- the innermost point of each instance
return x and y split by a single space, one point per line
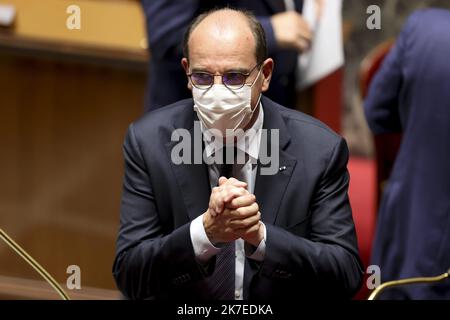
283 168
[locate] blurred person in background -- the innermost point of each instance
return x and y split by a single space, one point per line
287 32
411 94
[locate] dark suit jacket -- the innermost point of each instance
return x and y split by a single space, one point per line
411 93
311 247
167 21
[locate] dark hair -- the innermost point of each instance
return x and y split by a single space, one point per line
255 26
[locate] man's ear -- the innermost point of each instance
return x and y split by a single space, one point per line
267 70
185 65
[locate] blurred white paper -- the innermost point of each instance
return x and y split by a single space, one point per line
7 15
326 54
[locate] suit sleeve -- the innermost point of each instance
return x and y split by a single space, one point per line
327 263
382 103
167 21
147 259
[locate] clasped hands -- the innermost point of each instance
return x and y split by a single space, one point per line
232 214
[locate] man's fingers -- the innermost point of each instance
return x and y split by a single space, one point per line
222 181
233 181
242 201
227 190
245 223
244 212
305 35
301 45
226 194
220 199
218 202
303 25
213 201
234 192
212 212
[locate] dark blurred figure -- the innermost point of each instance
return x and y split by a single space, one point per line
411 93
286 31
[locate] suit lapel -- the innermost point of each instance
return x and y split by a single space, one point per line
192 178
269 189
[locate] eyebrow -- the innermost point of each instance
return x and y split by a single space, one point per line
238 70
199 70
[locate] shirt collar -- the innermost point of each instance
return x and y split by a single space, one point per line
253 135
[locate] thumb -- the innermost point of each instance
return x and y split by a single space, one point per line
222 181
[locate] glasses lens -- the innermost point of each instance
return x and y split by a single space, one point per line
202 80
234 80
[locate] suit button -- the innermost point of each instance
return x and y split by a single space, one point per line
237 294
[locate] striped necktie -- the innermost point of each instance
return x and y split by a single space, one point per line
222 281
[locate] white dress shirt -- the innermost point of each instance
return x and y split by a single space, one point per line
203 248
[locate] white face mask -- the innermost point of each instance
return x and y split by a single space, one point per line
221 108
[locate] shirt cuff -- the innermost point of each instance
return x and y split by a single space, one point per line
203 248
259 253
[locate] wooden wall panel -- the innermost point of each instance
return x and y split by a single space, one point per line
62 126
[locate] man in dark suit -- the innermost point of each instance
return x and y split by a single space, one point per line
411 93
255 232
287 35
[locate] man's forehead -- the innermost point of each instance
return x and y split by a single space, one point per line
222 52
230 39
224 22
225 36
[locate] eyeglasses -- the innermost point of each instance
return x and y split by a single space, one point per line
232 80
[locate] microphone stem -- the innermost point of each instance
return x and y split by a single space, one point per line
401 282
34 264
